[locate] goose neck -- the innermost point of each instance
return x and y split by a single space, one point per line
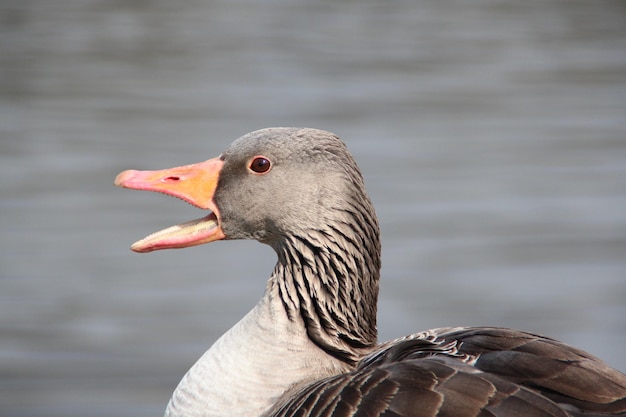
329 281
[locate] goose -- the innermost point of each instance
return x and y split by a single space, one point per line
309 347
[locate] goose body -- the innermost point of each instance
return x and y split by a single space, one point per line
309 347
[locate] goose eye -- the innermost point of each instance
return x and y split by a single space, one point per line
260 165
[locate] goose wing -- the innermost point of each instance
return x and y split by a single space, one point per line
466 372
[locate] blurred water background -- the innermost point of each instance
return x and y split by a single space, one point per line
491 133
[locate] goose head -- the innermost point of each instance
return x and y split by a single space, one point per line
269 185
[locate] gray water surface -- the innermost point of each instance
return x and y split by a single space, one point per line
492 136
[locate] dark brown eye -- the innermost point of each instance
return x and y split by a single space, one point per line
260 165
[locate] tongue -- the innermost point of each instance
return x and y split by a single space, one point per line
191 233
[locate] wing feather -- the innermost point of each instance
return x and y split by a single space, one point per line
466 372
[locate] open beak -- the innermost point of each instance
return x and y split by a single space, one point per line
194 184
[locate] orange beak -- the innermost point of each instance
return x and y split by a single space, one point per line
194 184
